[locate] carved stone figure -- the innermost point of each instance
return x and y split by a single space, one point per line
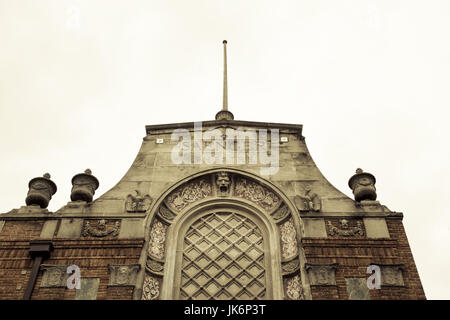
308 202
41 190
189 193
223 182
257 193
345 230
123 275
84 186
138 203
363 186
100 230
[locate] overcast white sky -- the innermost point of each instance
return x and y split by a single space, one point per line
369 81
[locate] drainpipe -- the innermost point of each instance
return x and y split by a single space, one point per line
39 250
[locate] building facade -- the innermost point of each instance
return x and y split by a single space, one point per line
179 225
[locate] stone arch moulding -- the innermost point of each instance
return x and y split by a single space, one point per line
223 194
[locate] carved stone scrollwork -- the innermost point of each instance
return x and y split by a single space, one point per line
151 288
101 229
166 214
189 193
123 274
290 267
288 239
345 229
138 203
293 288
156 247
54 276
223 182
321 274
257 193
309 202
154 266
281 213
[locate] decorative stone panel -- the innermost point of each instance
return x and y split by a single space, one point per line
138 202
376 228
189 193
54 276
101 228
293 288
257 193
123 274
88 289
392 275
156 247
321 274
151 288
357 289
289 247
346 228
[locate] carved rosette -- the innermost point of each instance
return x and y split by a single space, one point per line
54 276
156 247
138 203
123 274
256 193
345 229
151 288
293 288
189 193
288 234
100 229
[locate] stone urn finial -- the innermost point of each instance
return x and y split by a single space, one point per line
84 186
40 192
363 185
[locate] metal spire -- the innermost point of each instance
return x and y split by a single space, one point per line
225 81
224 114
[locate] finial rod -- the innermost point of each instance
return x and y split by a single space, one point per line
225 80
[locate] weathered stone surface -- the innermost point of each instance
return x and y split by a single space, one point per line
376 228
321 274
314 228
131 228
54 276
88 289
392 275
357 289
70 228
49 228
123 274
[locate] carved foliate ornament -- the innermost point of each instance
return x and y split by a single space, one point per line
345 229
223 182
308 202
189 193
40 192
321 274
54 276
100 229
138 203
156 246
290 266
289 247
256 193
150 290
123 274
84 186
154 266
293 288
165 213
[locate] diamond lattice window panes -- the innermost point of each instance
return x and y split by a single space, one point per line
223 258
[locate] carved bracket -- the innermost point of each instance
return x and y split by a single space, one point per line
290 267
281 214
